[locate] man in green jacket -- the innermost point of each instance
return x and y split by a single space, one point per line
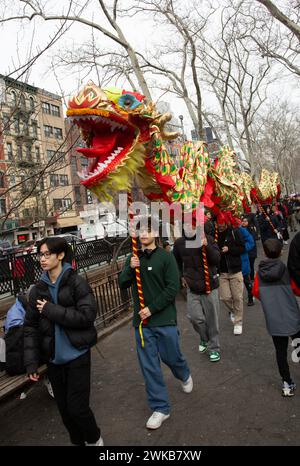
160 283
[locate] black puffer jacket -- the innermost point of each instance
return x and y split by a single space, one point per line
190 263
231 260
75 313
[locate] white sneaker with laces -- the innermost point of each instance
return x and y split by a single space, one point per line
156 420
187 386
288 389
237 329
99 443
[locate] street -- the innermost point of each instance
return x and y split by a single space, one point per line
236 401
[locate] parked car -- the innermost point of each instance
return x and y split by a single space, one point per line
70 238
7 248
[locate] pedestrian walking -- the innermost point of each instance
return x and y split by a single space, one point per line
294 263
249 245
268 224
59 330
280 307
231 245
252 254
202 304
158 340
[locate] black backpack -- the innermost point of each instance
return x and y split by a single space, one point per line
14 342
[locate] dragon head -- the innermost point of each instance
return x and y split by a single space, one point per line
115 126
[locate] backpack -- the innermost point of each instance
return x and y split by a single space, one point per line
14 337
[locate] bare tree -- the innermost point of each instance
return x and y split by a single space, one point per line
274 33
281 17
277 143
237 78
186 21
35 9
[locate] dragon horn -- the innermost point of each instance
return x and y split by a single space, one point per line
161 121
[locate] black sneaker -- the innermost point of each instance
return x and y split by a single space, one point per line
250 302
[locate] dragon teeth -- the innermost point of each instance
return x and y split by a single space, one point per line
96 118
100 166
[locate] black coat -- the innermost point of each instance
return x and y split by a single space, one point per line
75 313
190 263
266 230
233 239
294 259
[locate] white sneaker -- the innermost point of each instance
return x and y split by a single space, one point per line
187 386
237 329
99 443
156 420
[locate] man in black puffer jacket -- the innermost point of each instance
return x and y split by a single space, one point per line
59 330
203 307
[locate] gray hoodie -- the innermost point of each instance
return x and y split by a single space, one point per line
278 301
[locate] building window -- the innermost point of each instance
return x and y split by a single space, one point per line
77 195
34 129
48 130
26 213
63 180
13 98
6 123
12 180
2 206
17 125
67 203
58 133
55 110
57 204
89 197
25 128
28 154
20 152
46 108
61 156
9 151
31 104
51 155
37 154
54 181
2 180
84 162
42 185
22 102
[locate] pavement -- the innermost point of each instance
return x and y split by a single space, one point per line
236 401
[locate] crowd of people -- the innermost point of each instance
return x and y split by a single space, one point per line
61 310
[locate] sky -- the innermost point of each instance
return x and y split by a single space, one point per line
19 37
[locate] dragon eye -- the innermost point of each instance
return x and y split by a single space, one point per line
128 102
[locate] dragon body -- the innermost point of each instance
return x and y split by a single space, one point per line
125 141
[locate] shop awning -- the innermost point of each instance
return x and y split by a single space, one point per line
68 222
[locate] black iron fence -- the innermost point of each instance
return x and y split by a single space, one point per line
111 301
19 271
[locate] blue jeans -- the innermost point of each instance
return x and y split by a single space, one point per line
161 343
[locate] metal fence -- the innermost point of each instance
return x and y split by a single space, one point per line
19 271
111 301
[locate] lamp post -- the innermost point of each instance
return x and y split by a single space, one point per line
182 128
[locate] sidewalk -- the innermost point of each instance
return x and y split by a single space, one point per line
236 401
